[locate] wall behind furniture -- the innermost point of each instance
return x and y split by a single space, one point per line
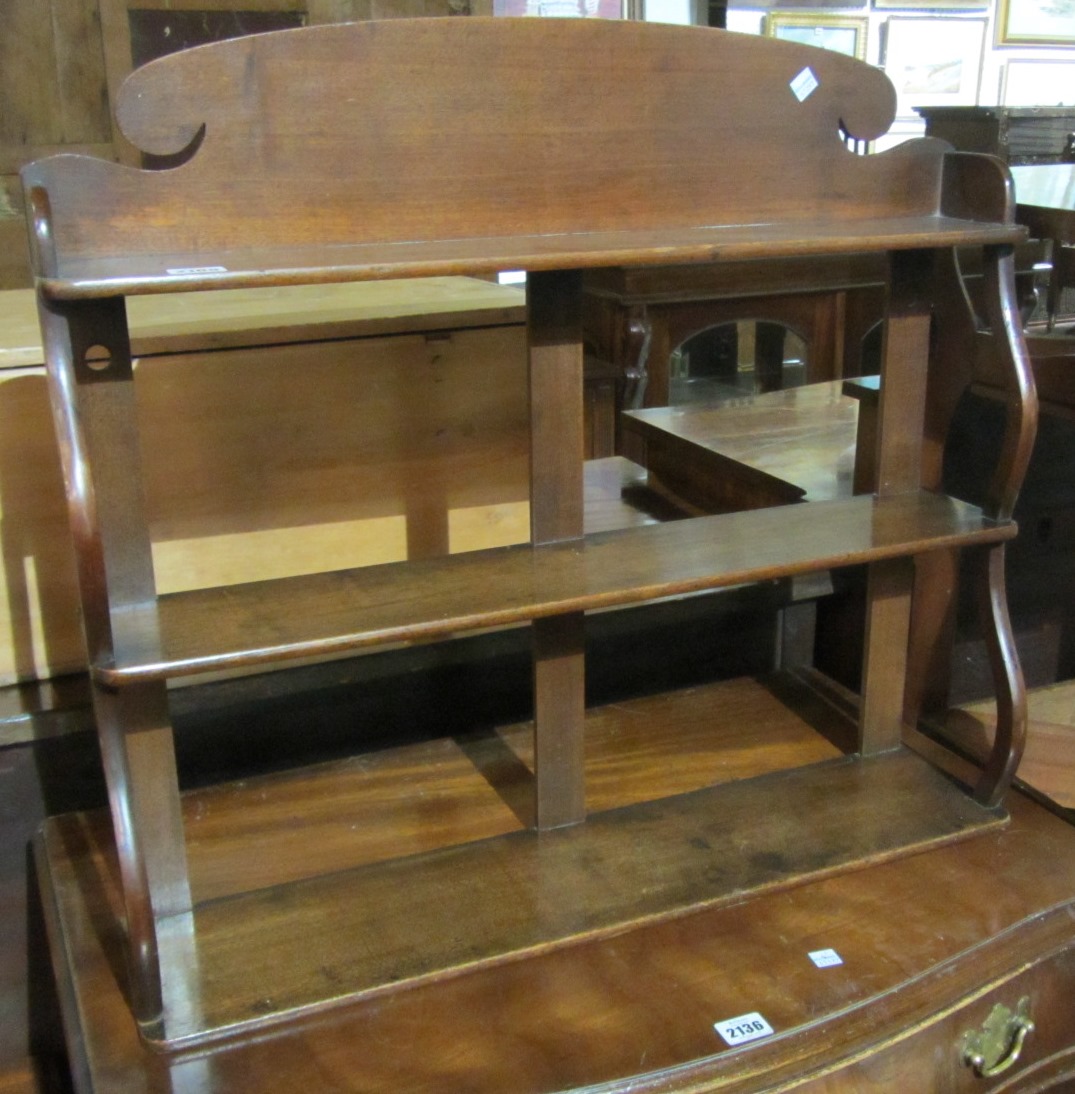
899 35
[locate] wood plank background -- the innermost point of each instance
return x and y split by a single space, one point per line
61 61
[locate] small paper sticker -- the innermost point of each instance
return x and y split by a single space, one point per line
187 271
747 1027
825 958
804 85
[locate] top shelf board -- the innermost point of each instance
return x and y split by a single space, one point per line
252 268
478 145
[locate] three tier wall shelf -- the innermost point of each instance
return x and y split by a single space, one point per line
416 148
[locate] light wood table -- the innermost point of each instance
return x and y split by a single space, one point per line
430 457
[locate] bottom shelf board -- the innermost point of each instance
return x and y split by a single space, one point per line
248 960
928 944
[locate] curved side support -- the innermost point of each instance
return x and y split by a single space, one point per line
71 335
1010 354
42 245
1008 680
1009 347
143 951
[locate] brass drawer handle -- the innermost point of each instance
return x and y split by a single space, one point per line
997 1045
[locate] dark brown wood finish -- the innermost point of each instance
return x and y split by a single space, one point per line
1012 461
93 407
898 463
472 146
554 335
209 629
581 208
955 929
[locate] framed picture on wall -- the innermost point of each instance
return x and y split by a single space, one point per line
840 33
571 9
929 5
1036 23
933 62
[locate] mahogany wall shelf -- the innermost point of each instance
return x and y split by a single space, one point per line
469 146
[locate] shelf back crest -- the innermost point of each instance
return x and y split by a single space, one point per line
450 129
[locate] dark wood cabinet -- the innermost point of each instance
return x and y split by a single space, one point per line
1017 134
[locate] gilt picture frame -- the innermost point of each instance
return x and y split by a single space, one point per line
845 34
1036 23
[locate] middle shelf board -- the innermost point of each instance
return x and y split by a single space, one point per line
351 896
421 601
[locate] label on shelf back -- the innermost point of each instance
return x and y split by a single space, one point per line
825 958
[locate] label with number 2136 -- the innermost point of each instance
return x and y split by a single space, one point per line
747 1027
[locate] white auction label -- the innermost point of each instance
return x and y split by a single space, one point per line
747 1027
825 958
804 85
187 271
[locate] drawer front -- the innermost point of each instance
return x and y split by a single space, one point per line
932 1057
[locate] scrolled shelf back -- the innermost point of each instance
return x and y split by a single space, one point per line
385 142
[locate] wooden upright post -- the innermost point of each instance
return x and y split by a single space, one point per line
556 514
904 369
92 387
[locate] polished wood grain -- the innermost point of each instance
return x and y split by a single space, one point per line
435 598
492 156
411 799
555 373
396 917
432 458
576 207
919 937
769 449
197 322
90 279
897 468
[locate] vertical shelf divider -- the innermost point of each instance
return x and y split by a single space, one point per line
890 585
554 338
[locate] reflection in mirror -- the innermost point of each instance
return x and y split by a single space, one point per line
736 359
